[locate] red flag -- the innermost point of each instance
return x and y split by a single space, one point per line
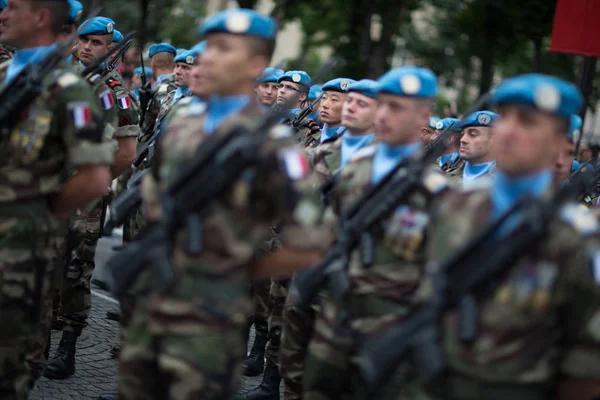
576 29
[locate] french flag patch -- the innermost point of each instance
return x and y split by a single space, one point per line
295 162
107 100
81 114
124 102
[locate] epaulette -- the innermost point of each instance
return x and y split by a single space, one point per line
162 88
113 83
66 79
579 217
434 181
364 153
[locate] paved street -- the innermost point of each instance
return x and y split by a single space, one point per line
96 372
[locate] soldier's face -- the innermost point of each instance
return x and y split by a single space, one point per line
564 161
331 107
525 140
182 73
229 65
92 47
290 93
358 113
585 154
475 143
266 93
18 22
136 81
398 120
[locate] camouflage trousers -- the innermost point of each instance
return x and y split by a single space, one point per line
260 291
277 295
75 290
27 257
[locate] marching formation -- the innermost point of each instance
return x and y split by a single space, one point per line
378 251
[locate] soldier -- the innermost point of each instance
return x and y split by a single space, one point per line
358 120
537 334
62 129
384 291
95 39
188 343
313 94
136 80
476 148
429 130
450 162
566 154
162 61
266 86
330 109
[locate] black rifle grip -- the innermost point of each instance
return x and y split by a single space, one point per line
367 248
193 235
468 318
428 355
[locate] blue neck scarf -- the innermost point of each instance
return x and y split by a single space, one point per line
327 132
387 157
507 191
136 93
162 78
24 57
221 108
449 158
474 171
314 116
350 144
179 93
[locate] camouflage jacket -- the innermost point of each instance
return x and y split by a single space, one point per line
384 291
236 226
326 159
61 130
6 52
454 172
158 97
128 106
541 318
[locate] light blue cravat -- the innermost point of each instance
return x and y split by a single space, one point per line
179 93
350 144
136 93
162 78
24 57
448 158
387 157
327 132
220 108
474 171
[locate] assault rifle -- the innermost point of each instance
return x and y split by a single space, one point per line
475 268
144 90
27 85
125 204
98 67
220 161
112 63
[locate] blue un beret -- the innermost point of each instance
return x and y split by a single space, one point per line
2 4
300 77
117 36
480 118
161 48
198 48
179 51
543 92
338 85
75 10
433 122
269 75
97 26
148 70
186 57
365 87
240 21
409 81
444 123
314 92
575 126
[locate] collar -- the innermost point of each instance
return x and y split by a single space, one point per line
448 158
220 108
179 93
387 157
351 143
507 191
24 57
163 77
327 132
474 171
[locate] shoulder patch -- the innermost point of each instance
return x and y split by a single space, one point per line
163 89
67 79
579 217
435 182
364 153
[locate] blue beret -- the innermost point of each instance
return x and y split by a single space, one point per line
161 48
179 51
480 118
96 26
240 21
574 126
545 93
198 48
148 70
2 4
365 87
444 123
409 81
338 85
575 165
117 36
300 77
186 57
314 92
269 75
433 122
75 10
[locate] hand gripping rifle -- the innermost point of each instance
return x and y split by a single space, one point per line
28 84
98 67
144 90
475 268
220 161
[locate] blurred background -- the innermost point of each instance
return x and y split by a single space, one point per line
470 44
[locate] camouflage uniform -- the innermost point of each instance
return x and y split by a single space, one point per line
41 150
158 97
327 158
189 343
381 294
308 132
454 172
540 320
6 52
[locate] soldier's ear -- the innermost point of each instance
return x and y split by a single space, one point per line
302 97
